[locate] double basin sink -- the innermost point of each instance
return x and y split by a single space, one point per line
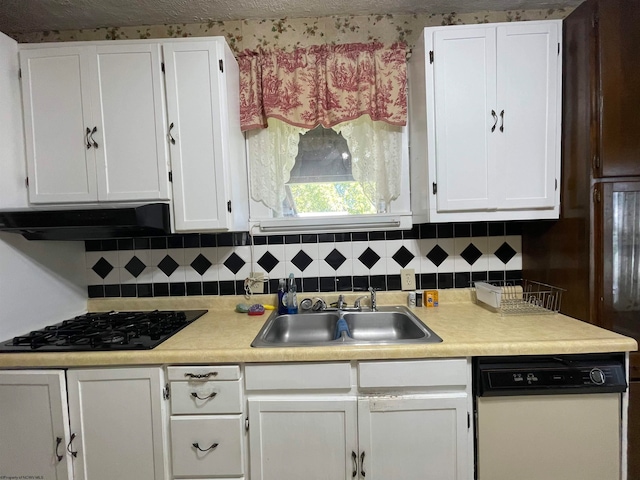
385 326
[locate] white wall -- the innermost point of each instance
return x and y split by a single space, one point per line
13 193
41 282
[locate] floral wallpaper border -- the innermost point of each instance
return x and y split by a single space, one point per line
289 33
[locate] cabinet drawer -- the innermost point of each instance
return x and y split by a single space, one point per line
308 376
206 397
225 458
204 373
416 373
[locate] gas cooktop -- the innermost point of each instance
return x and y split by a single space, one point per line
104 331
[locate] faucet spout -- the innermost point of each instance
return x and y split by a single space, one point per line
374 304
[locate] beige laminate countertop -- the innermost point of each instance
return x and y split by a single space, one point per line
224 336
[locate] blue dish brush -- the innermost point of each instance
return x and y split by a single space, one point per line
341 326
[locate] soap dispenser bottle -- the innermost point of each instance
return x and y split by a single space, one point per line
292 297
282 297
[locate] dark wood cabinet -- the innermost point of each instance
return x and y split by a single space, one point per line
593 250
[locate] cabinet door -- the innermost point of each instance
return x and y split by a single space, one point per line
618 64
527 106
128 98
414 438
119 421
300 437
464 71
196 114
34 425
617 253
57 112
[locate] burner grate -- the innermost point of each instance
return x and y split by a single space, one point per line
105 331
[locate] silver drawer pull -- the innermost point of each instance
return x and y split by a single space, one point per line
204 375
212 447
195 395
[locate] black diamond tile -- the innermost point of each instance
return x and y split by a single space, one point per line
471 254
437 255
201 264
234 263
505 252
301 260
369 258
268 262
335 259
102 268
403 257
168 265
135 266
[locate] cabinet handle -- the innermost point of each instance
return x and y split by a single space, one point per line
204 375
75 454
502 121
495 120
362 465
95 144
212 447
195 395
58 442
354 458
171 139
86 137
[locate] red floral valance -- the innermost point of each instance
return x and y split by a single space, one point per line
324 85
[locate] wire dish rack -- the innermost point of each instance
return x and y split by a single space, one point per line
522 297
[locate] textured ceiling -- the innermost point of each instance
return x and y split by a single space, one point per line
22 16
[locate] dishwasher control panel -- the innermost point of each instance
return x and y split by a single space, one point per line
546 375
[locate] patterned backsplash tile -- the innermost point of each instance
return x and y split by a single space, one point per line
442 255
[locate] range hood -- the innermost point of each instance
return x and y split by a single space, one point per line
142 221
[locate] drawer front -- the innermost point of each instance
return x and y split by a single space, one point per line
206 397
203 373
415 373
309 376
225 458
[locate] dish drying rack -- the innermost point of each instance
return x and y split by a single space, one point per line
523 297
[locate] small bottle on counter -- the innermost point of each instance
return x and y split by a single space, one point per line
411 299
282 305
292 296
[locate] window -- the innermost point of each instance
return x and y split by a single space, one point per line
337 178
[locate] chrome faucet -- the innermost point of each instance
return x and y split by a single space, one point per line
341 303
374 305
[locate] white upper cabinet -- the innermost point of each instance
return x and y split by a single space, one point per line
485 120
207 146
94 123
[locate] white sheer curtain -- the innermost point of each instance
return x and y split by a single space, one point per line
272 154
376 152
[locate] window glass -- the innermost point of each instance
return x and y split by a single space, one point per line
321 181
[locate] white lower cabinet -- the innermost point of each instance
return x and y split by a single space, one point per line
117 423
112 427
414 428
34 425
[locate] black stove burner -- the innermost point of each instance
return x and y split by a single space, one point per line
105 331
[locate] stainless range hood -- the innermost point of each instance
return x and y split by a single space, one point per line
142 221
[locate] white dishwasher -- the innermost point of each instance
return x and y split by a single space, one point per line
549 417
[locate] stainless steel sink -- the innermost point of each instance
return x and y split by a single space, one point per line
387 326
